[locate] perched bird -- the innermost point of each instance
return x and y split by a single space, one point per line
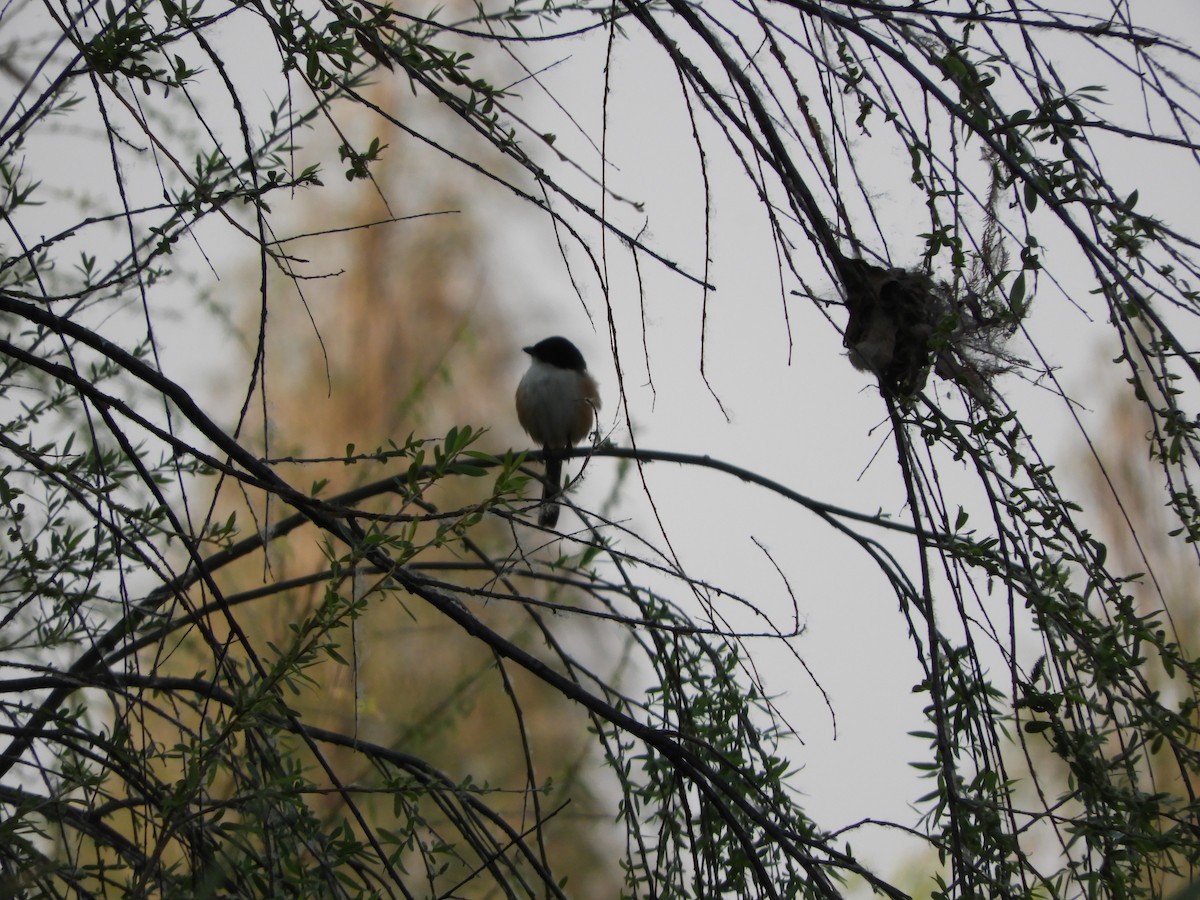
556 404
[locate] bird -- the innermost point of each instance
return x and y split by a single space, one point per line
557 400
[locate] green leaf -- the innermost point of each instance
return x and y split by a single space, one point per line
1031 196
1016 295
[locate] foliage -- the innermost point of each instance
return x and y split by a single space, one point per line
1030 642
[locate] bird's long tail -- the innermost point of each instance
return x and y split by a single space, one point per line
548 514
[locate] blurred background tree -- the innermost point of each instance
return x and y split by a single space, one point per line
412 342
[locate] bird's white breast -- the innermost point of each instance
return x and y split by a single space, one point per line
552 405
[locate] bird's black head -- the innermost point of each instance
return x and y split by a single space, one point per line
558 352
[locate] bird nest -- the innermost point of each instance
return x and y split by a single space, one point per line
903 325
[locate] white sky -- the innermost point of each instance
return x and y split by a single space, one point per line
812 423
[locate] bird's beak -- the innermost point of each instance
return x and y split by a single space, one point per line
528 350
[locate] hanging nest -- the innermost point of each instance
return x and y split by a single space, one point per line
903 325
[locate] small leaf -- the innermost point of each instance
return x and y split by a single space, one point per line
1016 294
